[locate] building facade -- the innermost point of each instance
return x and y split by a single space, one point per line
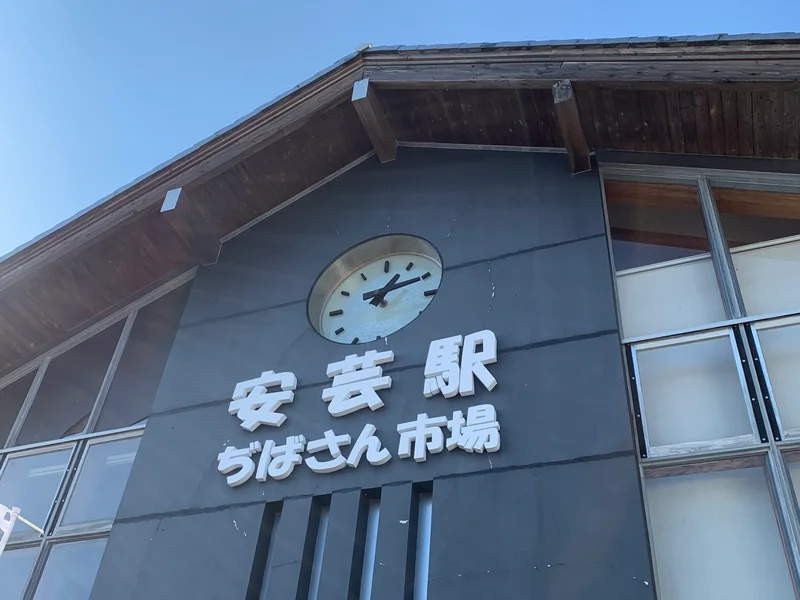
406 343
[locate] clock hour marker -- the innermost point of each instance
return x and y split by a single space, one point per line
409 265
364 277
386 266
338 331
431 292
377 337
355 340
336 313
427 274
345 293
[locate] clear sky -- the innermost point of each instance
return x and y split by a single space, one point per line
94 93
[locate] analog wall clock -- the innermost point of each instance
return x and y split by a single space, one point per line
375 288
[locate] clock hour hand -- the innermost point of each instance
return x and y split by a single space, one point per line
382 290
379 295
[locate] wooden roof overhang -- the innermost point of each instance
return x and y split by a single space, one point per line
712 95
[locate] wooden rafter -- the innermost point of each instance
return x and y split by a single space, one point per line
370 111
569 121
181 212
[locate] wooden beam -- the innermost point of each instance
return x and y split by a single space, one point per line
376 123
654 73
187 221
569 120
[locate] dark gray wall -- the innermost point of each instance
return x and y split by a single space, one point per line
556 513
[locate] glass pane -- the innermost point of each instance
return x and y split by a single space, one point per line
769 278
751 217
781 349
669 298
11 398
69 389
139 372
30 483
652 223
691 392
101 482
715 537
15 567
70 571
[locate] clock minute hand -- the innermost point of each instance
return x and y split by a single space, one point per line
380 291
378 298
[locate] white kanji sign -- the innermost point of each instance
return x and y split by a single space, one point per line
425 434
277 462
255 405
480 431
356 380
444 374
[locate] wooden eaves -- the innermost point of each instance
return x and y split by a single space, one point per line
713 95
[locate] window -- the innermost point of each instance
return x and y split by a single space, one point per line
715 536
71 426
665 278
712 344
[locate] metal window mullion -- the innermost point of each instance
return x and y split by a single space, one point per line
41 558
786 508
27 403
110 372
720 256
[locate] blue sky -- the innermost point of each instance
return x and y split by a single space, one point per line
95 93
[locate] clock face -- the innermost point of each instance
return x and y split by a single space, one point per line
375 289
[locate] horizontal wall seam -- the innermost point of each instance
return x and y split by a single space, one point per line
389 371
537 465
465 265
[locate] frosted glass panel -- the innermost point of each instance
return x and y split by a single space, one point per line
669 298
769 278
692 392
715 537
781 349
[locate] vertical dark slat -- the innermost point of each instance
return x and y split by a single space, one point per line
539 113
716 121
599 117
637 406
609 106
702 122
521 115
395 551
262 551
762 384
343 555
688 122
662 133
745 103
751 386
630 120
673 104
730 118
584 103
791 125
650 125
767 113
293 551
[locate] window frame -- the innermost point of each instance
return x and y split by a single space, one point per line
701 445
79 443
777 443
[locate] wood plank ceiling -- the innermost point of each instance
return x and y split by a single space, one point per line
41 308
